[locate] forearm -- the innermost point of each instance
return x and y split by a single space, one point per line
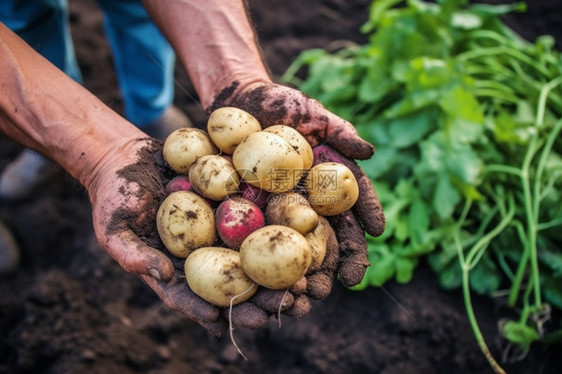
43 109
214 42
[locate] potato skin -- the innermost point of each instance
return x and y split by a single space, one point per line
213 176
265 160
332 188
215 274
183 146
318 240
275 256
228 126
296 140
236 218
185 222
293 210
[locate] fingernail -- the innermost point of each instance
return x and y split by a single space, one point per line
155 273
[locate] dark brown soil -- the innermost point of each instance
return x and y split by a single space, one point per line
71 309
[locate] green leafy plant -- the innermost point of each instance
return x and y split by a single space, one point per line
466 117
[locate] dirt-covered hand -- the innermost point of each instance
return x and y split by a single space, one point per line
274 104
334 140
366 215
126 191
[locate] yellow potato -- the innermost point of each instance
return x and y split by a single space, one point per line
265 160
318 240
275 256
332 188
183 146
215 274
228 126
293 210
185 222
297 141
214 177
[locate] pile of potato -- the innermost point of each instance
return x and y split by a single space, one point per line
247 206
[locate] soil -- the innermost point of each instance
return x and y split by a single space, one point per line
71 309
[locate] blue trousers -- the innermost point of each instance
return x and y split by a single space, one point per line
143 59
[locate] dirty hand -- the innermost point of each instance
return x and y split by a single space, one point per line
334 140
125 192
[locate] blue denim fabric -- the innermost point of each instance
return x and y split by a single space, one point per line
143 59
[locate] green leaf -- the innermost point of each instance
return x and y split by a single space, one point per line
464 164
413 103
377 11
466 20
520 334
461 103
451 276
411 129
446 197
552 290
405 269
418 221
500 9
551 257
382 264
485 277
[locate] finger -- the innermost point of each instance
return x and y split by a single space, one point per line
301 307
299 287
136 257
320 283
247 315
273 104
353 248
368 207
343 136
216 328
178 296
270 300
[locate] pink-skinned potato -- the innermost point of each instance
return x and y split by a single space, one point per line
254 194
236 218
178 183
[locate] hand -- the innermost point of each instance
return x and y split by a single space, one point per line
334 140
125 192
274 104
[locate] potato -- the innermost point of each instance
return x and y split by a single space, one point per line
214 177
275 256
178 183
185 145
332 188
255 195
296 140
293 210
318 240
185 222
215 274
228 126
267 161
237 218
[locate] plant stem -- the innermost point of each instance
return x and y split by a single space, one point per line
474 323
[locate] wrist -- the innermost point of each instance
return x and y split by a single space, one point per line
214 41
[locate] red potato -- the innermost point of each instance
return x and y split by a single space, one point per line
236 218
254 194
178 183
182 183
